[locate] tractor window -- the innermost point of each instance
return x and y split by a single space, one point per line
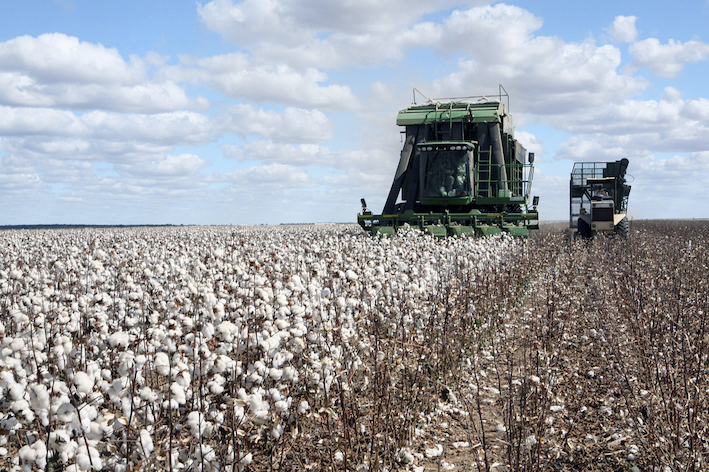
445 174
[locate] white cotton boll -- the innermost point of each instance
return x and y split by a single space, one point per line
5 353
106 375
100 427
325 293
275 374
60 441
127 405
178 393
255 400
531 441
26 412
17 344
196 423
261 417
7 379
277 431
88 459
83 382
219 309
263 295
19 317
351 275
205 453
126 361
65 412
282 406
289 373
216 385
260 367
39 398
405 456
162 363
208 330
283 312
183 378
282 324
36 453
119 338
303 407
297 345
215 388
434 451
245 460
226 331
16 391
140 361
115 391
275 394
217 417
222 363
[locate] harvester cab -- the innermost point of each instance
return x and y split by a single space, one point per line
599 198
461 171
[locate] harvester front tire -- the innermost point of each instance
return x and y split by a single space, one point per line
623 228
584 229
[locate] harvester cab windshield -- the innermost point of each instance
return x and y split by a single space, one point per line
445 171
461 171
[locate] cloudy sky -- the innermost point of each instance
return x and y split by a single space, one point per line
284 111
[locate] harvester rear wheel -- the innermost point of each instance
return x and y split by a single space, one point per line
623 228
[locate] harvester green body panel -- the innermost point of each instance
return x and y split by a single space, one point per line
461 171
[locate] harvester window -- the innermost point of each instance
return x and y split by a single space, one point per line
445 173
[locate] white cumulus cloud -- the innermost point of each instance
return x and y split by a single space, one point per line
667 60
288 125
60 71
623 29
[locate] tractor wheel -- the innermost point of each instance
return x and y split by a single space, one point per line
623 228
584 229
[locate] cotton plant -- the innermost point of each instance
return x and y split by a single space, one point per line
119 344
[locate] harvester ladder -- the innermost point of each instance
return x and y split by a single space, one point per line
483 182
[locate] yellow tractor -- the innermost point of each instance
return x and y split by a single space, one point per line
599 199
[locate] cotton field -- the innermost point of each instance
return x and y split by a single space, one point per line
215 348
321 348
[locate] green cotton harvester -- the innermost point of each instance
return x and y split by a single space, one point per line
461 172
